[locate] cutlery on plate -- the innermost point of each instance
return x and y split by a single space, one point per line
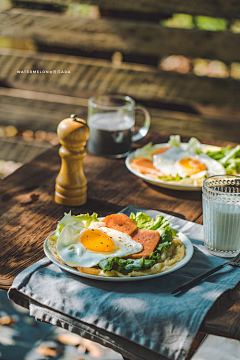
234 262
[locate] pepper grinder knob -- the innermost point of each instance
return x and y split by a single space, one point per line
71 183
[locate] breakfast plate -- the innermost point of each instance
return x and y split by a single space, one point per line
174 185
188 248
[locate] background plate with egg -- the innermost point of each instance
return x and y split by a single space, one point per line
176 158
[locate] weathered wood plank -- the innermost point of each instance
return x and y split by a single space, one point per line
229 319
221 8
18 150
144 83
22 108
128 37
29 192
31 188
18 191
38 111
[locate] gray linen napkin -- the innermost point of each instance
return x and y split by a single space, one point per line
139 319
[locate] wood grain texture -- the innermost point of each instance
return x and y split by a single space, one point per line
35 110
90 77
28 214
221 8
28 211
111 35
21 108
200 337
219 322
19 150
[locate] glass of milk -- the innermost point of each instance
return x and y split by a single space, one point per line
221 215
111 119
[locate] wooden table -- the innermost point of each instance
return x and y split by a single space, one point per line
28 214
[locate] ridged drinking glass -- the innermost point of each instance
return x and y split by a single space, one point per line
221 215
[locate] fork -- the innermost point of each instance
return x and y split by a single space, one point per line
234 262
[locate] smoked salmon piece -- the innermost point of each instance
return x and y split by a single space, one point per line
120 222
149 240
145 166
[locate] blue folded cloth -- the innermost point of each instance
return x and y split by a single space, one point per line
139 319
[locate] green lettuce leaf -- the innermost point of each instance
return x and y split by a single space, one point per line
170 177
194 146
87 219
144 221
83 219
231 154
219 154
174 140
233 166
159 224
165 242
126 265
228 157
145 151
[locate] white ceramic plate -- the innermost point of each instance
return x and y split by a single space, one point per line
167 184
184 261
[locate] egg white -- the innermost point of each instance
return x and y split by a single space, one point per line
168 163
73 252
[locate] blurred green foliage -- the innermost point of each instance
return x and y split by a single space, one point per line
235 70
211 24
80 10
186 21
183 21
235 27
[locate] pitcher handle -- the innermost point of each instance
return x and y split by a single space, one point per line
146 125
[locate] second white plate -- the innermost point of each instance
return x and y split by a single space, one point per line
165 184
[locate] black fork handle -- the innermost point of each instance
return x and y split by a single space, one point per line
198 278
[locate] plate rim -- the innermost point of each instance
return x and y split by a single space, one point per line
161 183
186 241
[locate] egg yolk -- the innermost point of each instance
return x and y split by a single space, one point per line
192 166
95 240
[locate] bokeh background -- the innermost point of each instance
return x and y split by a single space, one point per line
179 59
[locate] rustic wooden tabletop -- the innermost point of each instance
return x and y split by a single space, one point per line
28 214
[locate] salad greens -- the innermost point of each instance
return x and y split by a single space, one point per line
146 151
174 140
125 266
193 146
170 177
228 157
143 221
83 219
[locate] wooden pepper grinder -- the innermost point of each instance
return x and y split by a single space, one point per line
71 183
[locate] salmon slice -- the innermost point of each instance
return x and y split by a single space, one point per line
120 222
145 166
149 240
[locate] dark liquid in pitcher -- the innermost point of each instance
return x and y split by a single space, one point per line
110 136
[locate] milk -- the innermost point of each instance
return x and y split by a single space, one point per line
110 133
221 221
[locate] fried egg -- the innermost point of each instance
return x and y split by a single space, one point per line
79 246
184 163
